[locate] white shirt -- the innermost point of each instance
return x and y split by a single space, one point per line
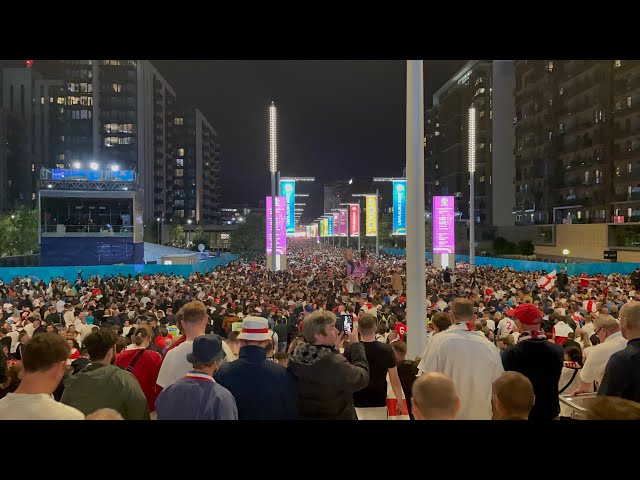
29 328
441 304
565 376
505 327
589 329
491 325
26 406
175 365
125 330
593 369
561 329
472 362
69 318
60 306
14 340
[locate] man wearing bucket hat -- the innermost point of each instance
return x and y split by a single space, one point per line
197 396
538 359
263 390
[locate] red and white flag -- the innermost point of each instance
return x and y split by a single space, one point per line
547 281
589 306
487 294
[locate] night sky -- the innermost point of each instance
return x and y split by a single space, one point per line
337 119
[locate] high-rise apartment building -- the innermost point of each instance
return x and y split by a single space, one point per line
487 86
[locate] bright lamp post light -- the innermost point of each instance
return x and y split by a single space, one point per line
472 206
93 165
77 165
273 167
565 252
115 168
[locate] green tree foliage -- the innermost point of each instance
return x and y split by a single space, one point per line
19 231
200 237
177 236
525 247
249 239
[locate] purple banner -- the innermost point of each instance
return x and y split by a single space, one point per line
343 223
336 224
281 226
443 225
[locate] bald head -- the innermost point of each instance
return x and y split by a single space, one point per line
435 397
513 396
630 320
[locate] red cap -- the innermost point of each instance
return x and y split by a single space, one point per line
527 313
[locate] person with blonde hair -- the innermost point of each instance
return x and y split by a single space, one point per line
434 397
104 414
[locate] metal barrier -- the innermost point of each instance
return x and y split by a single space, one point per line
577 404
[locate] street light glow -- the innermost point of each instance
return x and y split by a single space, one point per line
189 221
115 168
565 251
273 138
472 139
77 165
93 165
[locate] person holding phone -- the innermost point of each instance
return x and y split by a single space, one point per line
326 380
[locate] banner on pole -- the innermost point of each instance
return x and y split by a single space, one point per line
330 226
288 191
343 222
354 220
444 225
371 217
281 226
399 207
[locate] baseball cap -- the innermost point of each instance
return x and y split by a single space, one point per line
527 313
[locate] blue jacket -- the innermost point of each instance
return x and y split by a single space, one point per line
196 397
263 390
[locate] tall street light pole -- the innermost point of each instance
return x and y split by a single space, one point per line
416 278
472 203
273 167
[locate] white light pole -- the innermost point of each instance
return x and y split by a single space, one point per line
189 232
273 166
416 279
159 240
472 203
565 252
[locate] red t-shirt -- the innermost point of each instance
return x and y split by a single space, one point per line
401 328
145 370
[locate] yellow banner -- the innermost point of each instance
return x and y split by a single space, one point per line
325 227
372 216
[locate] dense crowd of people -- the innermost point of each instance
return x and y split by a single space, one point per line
324 339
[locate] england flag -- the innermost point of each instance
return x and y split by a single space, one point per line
589 306
547 281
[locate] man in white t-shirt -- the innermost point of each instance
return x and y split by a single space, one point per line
468 358
175 364
44 359
608 330
505 327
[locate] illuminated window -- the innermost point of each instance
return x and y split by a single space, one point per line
41 100
33 196
179 162
179 172
60 100
628 101
561 90
178 121
617 63
481 114
550 66
117 87
181 152
628 168
33 167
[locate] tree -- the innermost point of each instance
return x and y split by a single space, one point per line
200 237
525 247
177 237
249 239
19 231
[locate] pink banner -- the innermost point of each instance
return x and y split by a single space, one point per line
354 220
281 226
443 225
343 223
336 224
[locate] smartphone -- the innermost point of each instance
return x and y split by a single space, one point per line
344 323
